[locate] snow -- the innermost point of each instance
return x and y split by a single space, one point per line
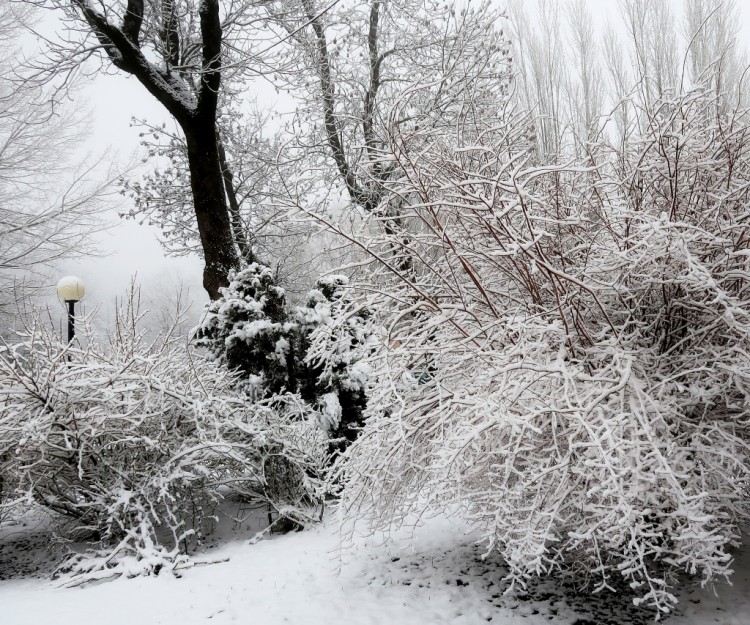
359 373
334 280
249 330
308 577
330 411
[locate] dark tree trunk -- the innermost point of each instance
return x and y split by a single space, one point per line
211 214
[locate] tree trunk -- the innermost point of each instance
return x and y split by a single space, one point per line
212 216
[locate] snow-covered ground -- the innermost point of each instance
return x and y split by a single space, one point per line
307 578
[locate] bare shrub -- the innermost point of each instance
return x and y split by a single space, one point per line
137 442
567 357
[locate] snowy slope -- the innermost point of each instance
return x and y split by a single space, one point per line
307 578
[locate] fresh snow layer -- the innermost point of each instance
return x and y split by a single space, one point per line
306 578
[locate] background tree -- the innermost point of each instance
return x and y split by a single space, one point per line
713 30
340 69
543 80
39 223
346 66
174 49
581 87
254 180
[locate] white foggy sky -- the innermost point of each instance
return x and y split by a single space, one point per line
133 249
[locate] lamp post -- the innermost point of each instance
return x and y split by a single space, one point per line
71 290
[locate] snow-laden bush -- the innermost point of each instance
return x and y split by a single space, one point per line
248 330
137 442
585 329
316 351
336 337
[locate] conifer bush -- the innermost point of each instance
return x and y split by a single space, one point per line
317 351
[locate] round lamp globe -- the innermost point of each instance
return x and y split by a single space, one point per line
70 289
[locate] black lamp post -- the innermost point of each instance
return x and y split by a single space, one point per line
71 290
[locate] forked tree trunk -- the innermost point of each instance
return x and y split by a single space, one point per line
191 100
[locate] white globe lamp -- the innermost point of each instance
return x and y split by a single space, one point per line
70 290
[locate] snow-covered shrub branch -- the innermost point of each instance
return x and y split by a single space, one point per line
567 355
137 442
